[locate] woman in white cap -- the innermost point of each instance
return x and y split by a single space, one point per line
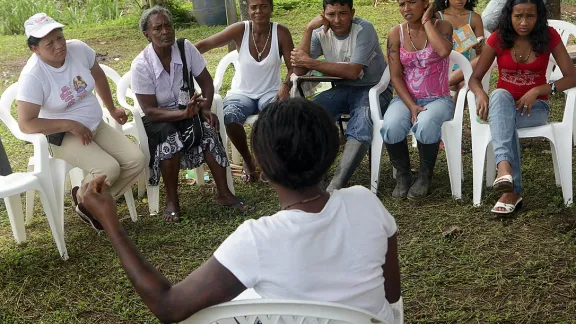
55 97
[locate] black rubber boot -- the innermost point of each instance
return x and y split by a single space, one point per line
400 159
428 154
354 152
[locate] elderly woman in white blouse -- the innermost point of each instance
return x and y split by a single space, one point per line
157 79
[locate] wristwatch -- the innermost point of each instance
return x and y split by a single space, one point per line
553 87
289 83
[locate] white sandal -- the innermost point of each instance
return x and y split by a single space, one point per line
509 208
504 184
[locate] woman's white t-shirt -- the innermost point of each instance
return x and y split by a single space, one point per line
332 256
65 92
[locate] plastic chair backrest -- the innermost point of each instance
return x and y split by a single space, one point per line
38 140
564 28
270 311
230 58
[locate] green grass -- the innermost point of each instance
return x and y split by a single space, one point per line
521 269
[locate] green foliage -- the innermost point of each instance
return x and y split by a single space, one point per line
72 13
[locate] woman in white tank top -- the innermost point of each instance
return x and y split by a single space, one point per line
261 45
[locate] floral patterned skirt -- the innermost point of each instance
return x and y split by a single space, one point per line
164 140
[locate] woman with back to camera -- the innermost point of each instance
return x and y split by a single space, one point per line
309 250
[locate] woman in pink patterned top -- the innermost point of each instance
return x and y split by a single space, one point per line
418 57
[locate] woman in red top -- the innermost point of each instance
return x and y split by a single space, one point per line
522 46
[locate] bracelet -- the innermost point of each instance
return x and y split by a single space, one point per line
553 90
425 21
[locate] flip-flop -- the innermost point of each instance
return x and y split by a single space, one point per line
504 184
84 214
175 216
240 206
509 208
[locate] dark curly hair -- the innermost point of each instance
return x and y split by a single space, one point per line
295 142
443 4
539 37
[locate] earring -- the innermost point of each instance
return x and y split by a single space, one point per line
446 3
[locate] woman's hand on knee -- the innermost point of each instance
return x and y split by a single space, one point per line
81 132
525 103
482 106
414 111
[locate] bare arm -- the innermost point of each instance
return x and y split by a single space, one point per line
206 83
286 47
395 66
30 123
440 36
149 106
478 28
350 71
391 270
484 63
206 286
229 34
102 86
304 47
568 69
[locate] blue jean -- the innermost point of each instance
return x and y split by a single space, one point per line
237 107
504 121
353 100
427 128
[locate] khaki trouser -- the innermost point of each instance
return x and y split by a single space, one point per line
110 153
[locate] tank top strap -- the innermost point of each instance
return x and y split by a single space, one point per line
441 15
401 36
274 48
470 18
246 38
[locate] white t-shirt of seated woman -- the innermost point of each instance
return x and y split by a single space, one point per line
332 256
65 92
150 78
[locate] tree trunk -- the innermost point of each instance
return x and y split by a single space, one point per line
553 9
152 3
243 9
231 17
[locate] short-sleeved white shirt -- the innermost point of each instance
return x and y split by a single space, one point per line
65 92
150 78
333 256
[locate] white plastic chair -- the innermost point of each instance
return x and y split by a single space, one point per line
76 174
271 311
230 58
39 179
556 132
451 130
565 29
136 129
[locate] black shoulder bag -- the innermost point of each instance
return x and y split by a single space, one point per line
193 130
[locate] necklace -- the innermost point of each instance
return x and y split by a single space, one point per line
256 46
519 57
305 201
411 42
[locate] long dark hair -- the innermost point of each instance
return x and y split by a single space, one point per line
441 5
539 37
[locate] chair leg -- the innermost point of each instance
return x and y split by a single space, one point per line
478 160
454 159
236 157
16 216
55 226
154 199
30 196
230 180
375 158
131 205
563 158
142 180
555 164
200 175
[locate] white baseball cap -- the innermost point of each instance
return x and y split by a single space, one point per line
40 25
